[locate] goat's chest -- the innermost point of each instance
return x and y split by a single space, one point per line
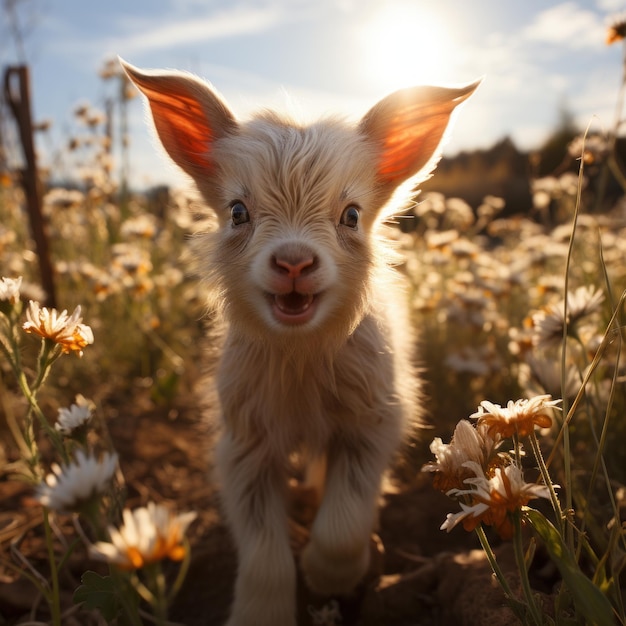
294 402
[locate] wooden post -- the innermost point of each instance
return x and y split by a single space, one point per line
17 94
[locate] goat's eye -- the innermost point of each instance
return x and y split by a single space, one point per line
239 213
350 216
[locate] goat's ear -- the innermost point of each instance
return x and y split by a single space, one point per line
188 116
407 127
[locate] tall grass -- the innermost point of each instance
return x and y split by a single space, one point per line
565 341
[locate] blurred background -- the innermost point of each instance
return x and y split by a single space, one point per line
546 64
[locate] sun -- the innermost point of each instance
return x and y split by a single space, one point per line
403 45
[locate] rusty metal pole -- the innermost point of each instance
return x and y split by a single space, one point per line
17 94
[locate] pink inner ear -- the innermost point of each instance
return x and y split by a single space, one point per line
410 142
180 118
408 126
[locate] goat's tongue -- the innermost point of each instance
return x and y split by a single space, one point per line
293 303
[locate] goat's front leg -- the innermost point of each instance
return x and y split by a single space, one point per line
338 553
254 499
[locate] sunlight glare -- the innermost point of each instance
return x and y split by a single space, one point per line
403 45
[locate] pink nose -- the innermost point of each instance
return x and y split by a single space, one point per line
292 267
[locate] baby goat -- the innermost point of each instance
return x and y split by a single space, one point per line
316 356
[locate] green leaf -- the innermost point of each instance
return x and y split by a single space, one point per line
588 599
98 592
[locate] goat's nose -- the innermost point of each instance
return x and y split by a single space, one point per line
294 267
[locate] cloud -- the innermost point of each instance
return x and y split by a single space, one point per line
220 25
611 6
567 25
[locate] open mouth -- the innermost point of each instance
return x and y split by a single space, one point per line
294 307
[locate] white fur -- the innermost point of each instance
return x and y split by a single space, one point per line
333 381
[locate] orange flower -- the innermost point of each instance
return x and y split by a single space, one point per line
616 30
67 331
493 499
518 417
148 535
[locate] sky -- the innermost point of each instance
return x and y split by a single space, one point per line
538 58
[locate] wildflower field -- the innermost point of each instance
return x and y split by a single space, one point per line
509 508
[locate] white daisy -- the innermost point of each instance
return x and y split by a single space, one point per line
549 323
143 225
10 289
584 301
75 416
468 443
69 487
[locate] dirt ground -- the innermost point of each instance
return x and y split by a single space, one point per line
425 576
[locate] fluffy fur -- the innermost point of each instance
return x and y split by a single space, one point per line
316 356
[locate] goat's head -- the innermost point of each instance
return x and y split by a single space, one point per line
298 206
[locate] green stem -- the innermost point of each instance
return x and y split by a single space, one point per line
42 365
521 566
517 450
49 353
491 557
55 598
567 458
182 572
159 596
30 393
29 430
143 591
556 505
